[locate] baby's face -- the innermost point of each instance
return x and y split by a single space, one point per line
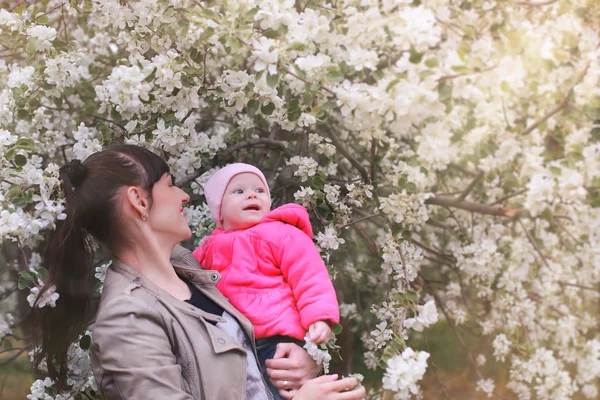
245 202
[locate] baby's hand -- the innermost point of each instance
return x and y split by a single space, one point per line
319 332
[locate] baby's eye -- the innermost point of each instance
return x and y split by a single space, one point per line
238 191
260 191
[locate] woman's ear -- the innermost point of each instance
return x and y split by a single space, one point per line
138 200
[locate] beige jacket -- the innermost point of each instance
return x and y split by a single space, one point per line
146 344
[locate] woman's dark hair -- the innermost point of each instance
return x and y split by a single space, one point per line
92 189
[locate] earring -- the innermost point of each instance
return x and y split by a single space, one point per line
144 217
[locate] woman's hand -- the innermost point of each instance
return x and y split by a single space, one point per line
327 387
291 367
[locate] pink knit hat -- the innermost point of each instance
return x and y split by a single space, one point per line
214 188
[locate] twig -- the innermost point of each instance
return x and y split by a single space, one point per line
435 368
474 72
470 206
49 11
471 186
579 286
508 196
338 145
368 241
287 71
14 356
232 149
264 141
437 224
430 250
466 350
558 107
373 152
359 220
532 241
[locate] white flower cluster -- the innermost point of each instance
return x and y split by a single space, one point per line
329 239
401 259
100 274
49 297
545 374
6 322
491 106
406 209
80 379
404 371
428 315
321 357
200 220
306 167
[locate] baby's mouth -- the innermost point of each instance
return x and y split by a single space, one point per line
252 208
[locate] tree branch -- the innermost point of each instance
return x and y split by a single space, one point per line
470 206
579 286
537 249
236 147
338 145
558 107
471 186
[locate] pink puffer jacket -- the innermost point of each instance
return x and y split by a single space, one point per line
273 273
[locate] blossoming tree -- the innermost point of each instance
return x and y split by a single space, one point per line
448 152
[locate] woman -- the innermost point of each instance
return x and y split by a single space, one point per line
162 329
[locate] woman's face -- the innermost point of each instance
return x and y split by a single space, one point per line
166 213
245 202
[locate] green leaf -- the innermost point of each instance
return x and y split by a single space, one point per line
391 85
337 329
461 69
251 13
268 109
272 80
330 105
150 77
20 160
307 99
271 33
377 75
28 276
42 273
432 62
252 107
85 342
297 46
25 144
23 114
293 110
415 57
334 75
19 10
43 20
445 91
410 188
207 12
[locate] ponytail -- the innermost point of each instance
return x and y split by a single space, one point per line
68 257
92 202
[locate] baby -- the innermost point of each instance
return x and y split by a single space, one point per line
270 269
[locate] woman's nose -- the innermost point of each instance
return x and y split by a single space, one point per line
186 198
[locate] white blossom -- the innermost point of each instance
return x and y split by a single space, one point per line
404 371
